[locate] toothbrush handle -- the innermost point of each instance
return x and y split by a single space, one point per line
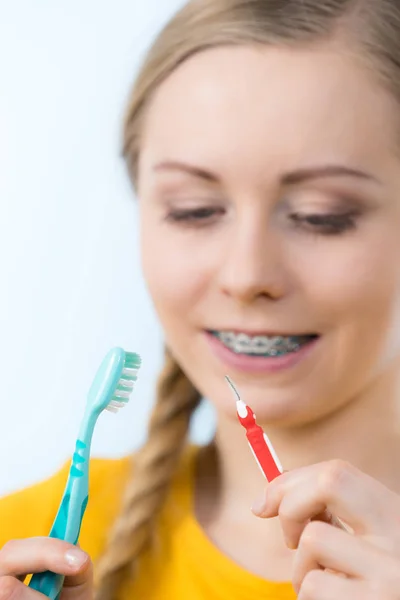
48 583
68 521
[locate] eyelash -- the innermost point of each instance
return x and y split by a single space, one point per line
328 224
325 224
196 217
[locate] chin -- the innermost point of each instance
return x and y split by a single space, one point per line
279 407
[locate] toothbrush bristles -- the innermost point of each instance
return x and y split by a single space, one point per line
114 406
122 394
129 371
233 388
126 382
117 404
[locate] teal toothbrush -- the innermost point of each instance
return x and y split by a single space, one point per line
110 390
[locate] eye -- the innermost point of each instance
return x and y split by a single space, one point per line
326 224
200 216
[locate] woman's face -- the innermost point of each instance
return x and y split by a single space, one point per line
270 221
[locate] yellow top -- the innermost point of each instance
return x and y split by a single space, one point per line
185 564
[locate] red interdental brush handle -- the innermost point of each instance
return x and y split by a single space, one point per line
258 441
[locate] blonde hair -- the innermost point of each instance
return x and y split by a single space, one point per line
154 467
371 26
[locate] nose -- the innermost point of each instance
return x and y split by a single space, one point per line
254 264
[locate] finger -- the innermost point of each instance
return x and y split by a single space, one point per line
34 555
324 547
363 503
82 579
79 587
13 589
295 512
321 585
328 517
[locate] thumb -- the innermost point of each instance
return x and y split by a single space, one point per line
80 585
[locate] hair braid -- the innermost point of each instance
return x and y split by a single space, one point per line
154 468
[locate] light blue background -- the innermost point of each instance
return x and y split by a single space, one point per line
70 276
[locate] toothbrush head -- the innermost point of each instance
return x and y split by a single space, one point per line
114 381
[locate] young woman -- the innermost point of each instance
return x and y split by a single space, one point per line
262 137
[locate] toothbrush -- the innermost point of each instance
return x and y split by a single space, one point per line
258 440
110 391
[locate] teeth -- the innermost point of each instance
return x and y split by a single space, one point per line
242 343
260 345
227 338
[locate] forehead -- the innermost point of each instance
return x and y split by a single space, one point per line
243 107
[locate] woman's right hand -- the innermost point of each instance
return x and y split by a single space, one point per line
18 558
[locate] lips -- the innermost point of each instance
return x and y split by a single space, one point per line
261 363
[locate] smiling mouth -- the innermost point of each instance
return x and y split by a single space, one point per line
262 345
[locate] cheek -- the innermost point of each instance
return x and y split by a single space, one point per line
354 287
176 275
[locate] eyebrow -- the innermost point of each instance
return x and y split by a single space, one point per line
172 165
292 178
325 171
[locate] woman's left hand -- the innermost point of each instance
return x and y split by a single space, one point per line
332 563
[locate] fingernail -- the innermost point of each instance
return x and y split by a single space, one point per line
75 557
291 545
258 507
